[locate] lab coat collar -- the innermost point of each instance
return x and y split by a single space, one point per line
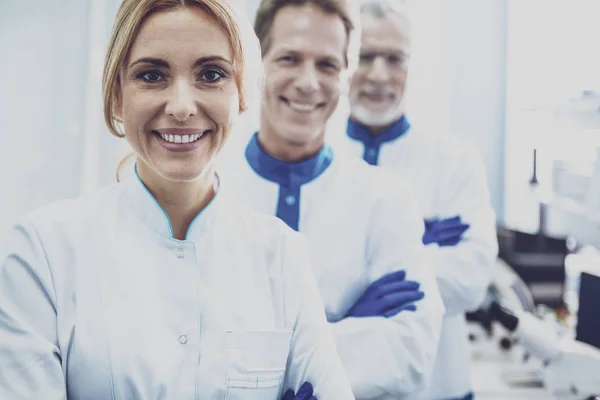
292 175
147 208
359 132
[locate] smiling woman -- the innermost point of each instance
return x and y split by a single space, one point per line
158 288
189 83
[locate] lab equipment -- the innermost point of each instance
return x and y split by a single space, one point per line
508 288
304 393
575 206
570 367
444 232
387 296
572 201
540 262
588 322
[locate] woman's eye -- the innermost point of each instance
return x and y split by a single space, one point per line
152 76
212 76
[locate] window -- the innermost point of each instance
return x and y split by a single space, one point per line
553 73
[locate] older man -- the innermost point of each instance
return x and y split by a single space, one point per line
448 176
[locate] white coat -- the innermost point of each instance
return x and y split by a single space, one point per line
99 301
361 223
449 177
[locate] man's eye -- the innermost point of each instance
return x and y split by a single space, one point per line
396 60
287 59
367 57
329 66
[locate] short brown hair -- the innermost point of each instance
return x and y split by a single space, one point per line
132 13
345 9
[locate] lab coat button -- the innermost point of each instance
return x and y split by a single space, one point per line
183 339
179 253
290 200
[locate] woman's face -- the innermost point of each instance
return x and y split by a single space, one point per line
179 95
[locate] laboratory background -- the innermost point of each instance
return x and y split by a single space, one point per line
518 79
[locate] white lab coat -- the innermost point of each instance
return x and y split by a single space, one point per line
449 177
98 301
361 223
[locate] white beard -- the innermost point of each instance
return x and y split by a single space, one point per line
376 119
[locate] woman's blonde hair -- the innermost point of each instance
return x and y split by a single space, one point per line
235 25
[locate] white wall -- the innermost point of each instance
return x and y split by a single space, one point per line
477 83
53 141
41 103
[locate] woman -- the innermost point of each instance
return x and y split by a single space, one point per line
155 288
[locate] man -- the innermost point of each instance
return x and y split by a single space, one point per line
448 176
362 224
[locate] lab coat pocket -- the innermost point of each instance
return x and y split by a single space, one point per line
256 362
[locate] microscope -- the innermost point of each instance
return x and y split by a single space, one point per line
571 368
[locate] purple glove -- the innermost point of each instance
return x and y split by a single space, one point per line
444 232
387 296
304 393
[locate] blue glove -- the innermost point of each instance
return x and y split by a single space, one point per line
304 393
387 296
444 232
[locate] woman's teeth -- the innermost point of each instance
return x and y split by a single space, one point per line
180 138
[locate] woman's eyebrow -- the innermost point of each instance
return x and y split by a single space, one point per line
162 63
203 60
149 60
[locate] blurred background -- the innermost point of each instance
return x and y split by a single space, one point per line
519 79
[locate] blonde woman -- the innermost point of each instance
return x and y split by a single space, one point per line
156 288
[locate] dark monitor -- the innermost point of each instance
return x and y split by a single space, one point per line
588 316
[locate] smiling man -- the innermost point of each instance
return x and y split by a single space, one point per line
448 176
362 224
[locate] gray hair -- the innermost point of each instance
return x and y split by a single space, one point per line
381 8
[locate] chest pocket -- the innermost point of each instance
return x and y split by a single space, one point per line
256 362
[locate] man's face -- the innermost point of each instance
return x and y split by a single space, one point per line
304 68
377 87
